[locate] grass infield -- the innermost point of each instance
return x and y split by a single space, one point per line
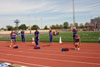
87 37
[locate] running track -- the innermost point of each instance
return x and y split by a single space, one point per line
51 56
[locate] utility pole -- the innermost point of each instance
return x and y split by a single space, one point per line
36 20
30 24
41 22
73 12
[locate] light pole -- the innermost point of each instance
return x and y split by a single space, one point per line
36 20
16 22
73 13
41 22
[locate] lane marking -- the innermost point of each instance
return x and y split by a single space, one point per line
59 51
52 54
55 49
24 63
90 63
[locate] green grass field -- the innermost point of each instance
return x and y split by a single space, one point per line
88 37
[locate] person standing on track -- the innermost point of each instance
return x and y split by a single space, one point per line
36 34
13 38
77 42
50 35
74 33
23 36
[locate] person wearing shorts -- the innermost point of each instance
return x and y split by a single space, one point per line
13 38
77 42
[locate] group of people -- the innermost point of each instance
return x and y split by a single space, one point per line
13 35
76 38
51 34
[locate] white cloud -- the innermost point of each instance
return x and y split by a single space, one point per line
33 6
41 6
48 9
18 7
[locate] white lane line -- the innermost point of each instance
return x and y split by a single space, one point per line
60 55
24 63
54 54
59 51
70 52
85 53
55 49
79 62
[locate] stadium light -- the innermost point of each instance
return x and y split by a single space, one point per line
16 22
73 12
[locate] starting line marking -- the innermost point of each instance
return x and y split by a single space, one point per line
51 60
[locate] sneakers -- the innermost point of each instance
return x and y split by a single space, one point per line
10 46
77 48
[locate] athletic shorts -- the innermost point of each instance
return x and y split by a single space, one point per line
13 38
77 43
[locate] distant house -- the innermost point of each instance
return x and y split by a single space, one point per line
95 24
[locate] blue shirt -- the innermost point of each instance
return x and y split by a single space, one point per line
50 33
37 34
22 32
74 31
13 35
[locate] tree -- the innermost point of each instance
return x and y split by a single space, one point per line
45 27
9 27
61 26
57 26
23 26
53 27
86 24
81 25
3 29
34 27
71 25
76 25
65 25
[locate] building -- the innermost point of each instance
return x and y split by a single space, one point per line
95 24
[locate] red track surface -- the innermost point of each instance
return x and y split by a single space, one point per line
51 56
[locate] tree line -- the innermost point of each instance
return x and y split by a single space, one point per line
65 25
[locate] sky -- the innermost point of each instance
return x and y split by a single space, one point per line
47 12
